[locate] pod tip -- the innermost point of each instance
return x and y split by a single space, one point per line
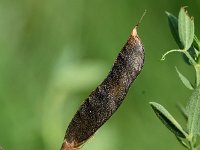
68 146
134 31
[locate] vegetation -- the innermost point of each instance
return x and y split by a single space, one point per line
54 53
182 30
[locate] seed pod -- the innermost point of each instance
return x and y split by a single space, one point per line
107 97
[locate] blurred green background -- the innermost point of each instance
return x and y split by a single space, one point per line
53 53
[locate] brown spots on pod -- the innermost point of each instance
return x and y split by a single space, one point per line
107 97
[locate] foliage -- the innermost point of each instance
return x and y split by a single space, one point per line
182 30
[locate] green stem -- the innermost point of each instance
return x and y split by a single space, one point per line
191 143
171 51
190 57
182 51
197 69
191 146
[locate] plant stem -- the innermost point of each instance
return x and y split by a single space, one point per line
197 69
171 51
192 146
190 57
191 143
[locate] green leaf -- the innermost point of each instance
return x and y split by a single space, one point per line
185 28
196 43
193 111
168 120
183 111
196 52
183 143
185 81
173 24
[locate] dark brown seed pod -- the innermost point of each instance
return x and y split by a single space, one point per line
107 97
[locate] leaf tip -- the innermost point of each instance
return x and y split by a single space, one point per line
167 13
151 103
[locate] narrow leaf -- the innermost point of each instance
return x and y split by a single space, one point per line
193 111
196 52
168 120
185 81
196 43
183 143
185 28
183 111
173 24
